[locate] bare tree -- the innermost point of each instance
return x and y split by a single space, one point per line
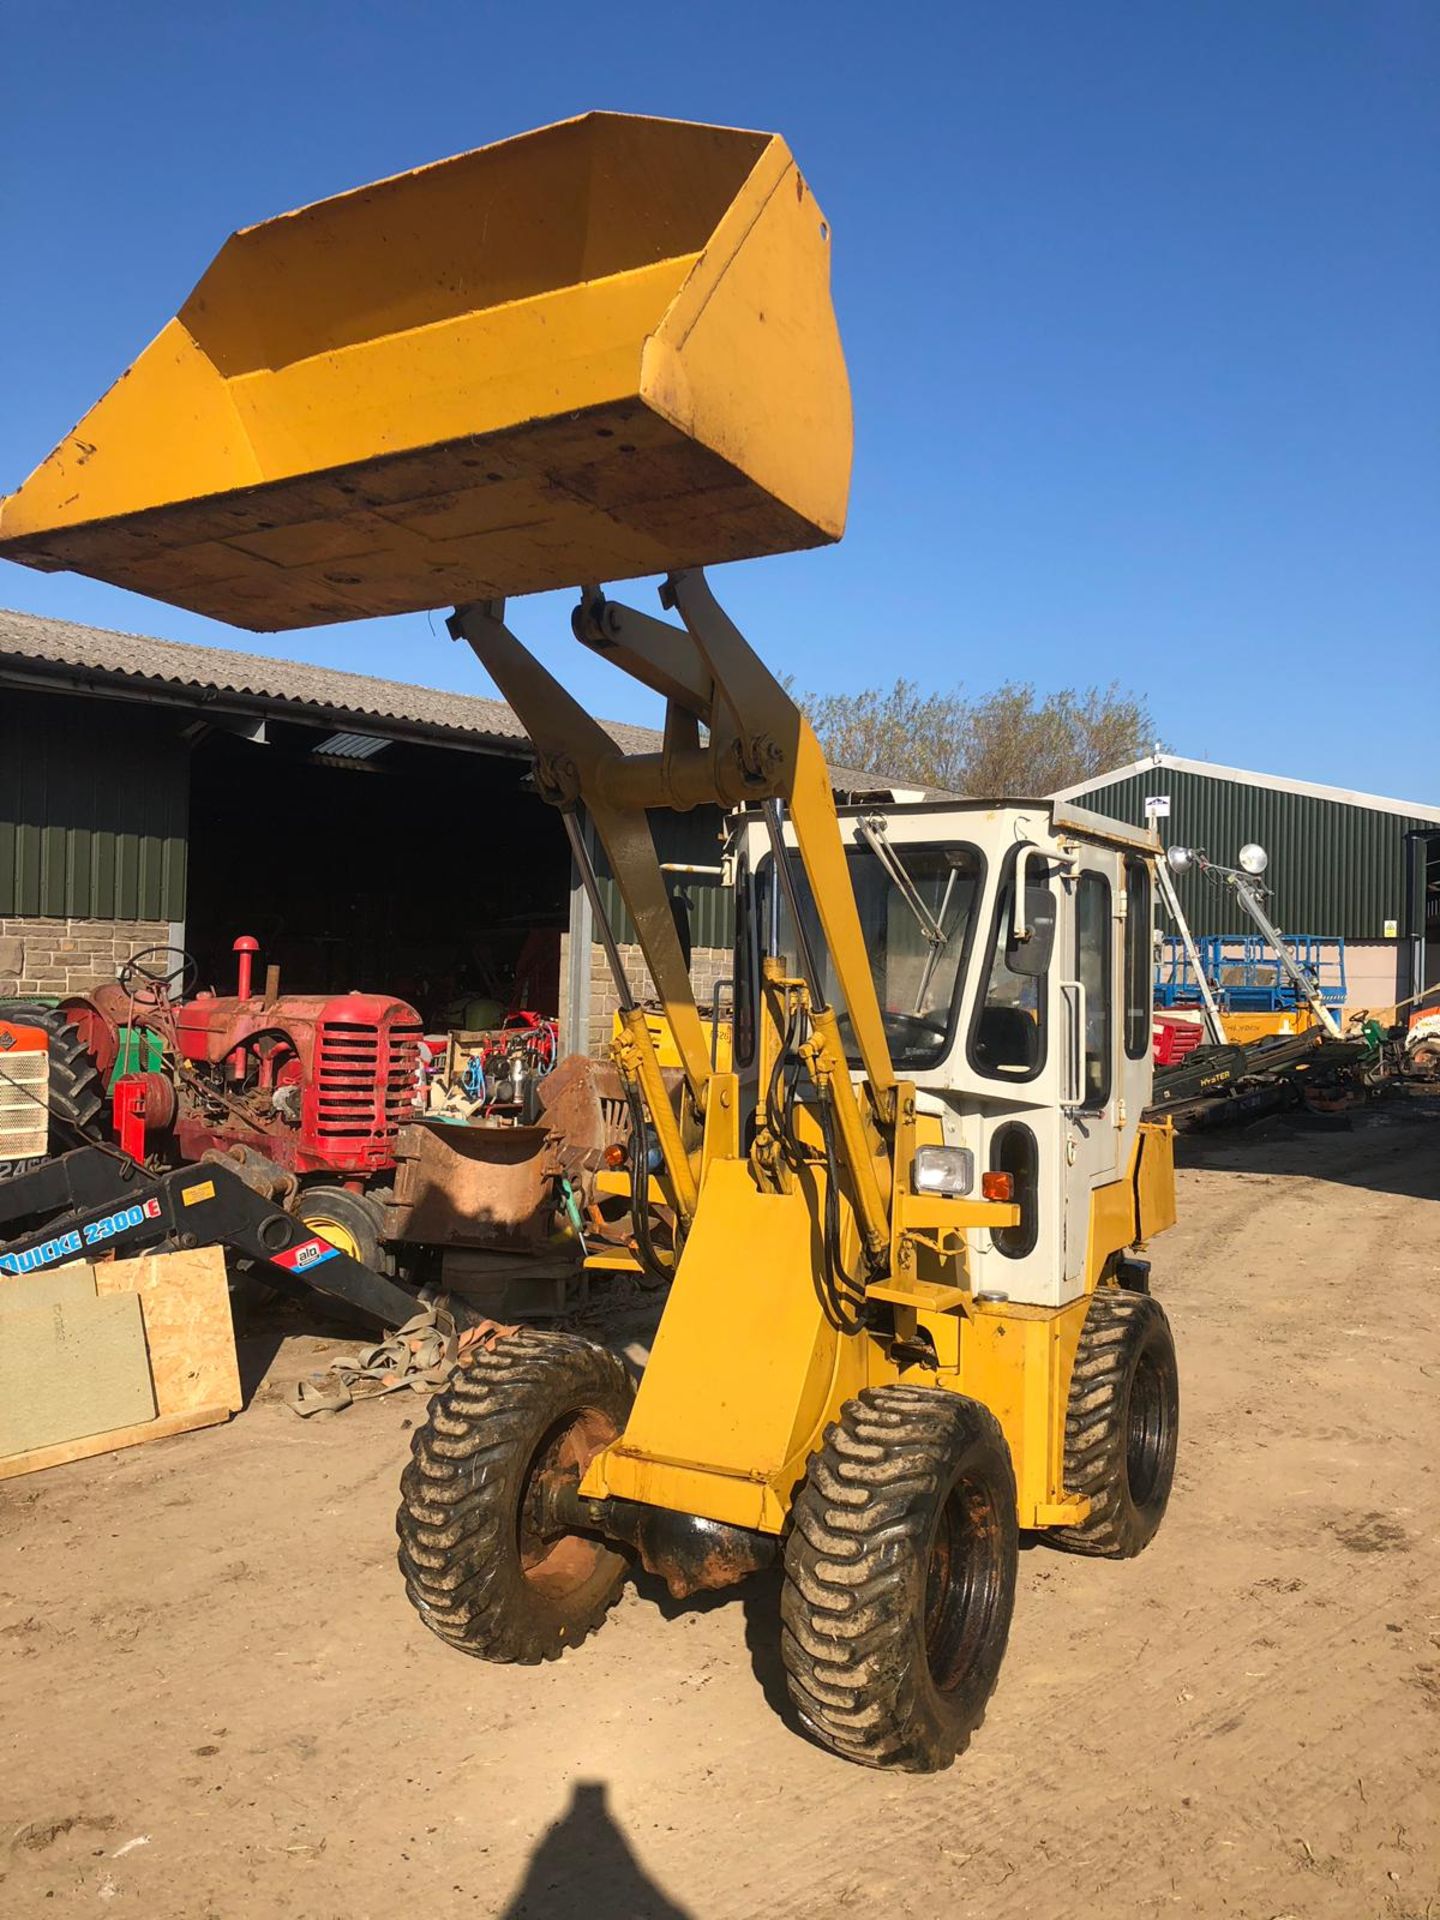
1005 742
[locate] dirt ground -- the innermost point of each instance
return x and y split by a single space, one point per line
215 1700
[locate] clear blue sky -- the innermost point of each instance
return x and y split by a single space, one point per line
1140 304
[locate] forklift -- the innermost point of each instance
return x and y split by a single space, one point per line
908 1313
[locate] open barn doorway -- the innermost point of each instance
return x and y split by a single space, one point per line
388 866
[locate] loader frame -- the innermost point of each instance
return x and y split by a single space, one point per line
756 1352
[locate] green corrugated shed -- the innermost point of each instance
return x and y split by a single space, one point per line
93 800
1336 859
693 839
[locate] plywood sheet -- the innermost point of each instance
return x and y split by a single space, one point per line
188 1328
34 1461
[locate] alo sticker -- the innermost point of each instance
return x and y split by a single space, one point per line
310 1253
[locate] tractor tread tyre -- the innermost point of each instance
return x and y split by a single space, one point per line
463 1491
77 1087
857 1599
1125 1336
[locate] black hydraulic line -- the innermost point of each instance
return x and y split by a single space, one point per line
841 1294
640 1193
780 1112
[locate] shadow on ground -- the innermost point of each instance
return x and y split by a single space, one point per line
584 1864
1391 1147
264 1321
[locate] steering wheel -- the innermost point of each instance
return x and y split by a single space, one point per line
151 983
910 1029
905 1031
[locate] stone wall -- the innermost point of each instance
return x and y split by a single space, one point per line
52 958
707 965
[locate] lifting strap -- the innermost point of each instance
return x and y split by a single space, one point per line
421 1355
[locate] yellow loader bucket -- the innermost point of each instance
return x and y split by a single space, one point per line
599 350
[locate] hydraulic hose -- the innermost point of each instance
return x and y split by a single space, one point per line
842 1296
640 1194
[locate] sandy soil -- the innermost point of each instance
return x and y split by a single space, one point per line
215 1701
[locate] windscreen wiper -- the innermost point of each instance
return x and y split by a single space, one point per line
873 829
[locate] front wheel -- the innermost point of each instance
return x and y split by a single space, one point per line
900 1578
484 1566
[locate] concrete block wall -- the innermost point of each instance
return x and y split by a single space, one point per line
52 958
1372 974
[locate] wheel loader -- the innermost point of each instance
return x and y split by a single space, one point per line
908 1316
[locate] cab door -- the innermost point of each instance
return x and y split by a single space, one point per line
1095 1113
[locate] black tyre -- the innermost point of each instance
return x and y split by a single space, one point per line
1122 1425
483 1566
900 1578
351 1221
77 1088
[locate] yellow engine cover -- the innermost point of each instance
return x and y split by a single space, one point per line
597 351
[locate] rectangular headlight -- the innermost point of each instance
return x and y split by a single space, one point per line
946 1170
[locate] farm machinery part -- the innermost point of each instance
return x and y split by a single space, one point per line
1293 963
495 1074
94 1201
51 1092
905 1317
1218 1086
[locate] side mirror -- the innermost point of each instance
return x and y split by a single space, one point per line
1030 941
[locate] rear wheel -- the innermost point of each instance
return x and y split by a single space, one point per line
1122 1425
485 1566
77 1087
900 1578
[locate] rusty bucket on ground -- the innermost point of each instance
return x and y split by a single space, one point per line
600 350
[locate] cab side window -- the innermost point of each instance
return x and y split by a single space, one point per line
1007 1041
1092 970
1139 959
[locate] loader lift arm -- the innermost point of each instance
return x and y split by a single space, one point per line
758 749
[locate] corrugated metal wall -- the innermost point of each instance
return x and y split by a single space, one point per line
1335 870
93 804
695 839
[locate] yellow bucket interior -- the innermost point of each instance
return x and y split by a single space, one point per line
599 350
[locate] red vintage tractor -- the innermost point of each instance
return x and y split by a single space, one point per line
315 1103
303 1093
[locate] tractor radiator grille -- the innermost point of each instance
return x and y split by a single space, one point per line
24 1105
366 1080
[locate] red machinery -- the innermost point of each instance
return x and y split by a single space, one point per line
306 1098
1175 1036
313 1083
